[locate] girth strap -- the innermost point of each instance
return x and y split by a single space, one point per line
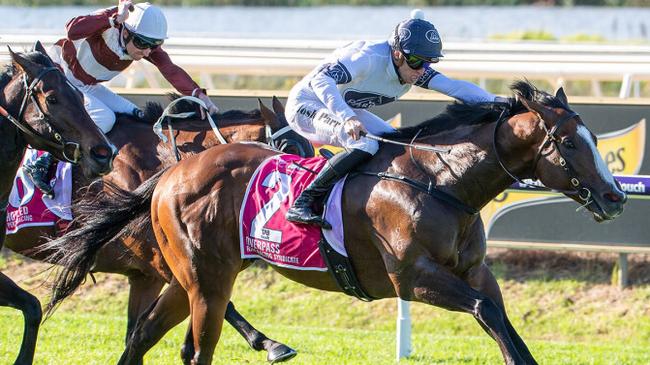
341 268
429 189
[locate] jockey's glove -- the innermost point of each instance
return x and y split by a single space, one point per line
138 113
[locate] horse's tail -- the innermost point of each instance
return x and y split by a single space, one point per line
99 221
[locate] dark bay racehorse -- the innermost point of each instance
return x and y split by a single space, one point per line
39 107
401 238
141 154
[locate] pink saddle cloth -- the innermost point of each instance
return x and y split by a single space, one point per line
27 205
265 233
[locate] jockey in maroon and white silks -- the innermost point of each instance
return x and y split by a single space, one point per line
98 47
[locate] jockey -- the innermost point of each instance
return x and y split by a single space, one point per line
99 47
328 106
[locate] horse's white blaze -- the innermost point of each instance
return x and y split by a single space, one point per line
601 167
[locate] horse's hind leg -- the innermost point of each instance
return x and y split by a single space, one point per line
208 304
482 280
170 309
435 285
143 291
11 295
277 352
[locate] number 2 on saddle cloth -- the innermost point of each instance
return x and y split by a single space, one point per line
264 233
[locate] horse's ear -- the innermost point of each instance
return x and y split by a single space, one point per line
268 115
538 109
38 47
22 63
561 96
277 106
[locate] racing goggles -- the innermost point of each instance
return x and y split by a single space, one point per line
142 42
416 63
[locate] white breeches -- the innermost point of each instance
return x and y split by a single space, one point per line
102 104
312 120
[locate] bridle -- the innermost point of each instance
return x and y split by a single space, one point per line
273 140
61 144
551 139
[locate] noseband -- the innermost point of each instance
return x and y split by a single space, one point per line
61 144
551 139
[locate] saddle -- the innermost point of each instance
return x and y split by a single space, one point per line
265 234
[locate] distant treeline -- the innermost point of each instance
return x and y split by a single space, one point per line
338 2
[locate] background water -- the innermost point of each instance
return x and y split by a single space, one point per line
346 22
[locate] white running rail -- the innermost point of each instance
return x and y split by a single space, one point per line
554 62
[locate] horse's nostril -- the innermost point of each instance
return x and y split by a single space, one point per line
615 198
101 152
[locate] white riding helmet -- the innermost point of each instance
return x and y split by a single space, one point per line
147 20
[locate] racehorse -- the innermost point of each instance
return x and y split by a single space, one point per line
410 217
141 154
39 107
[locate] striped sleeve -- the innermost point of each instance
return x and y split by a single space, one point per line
87 25
176 76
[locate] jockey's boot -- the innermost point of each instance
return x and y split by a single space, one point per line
334 169
38 172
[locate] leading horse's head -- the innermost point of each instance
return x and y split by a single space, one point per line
52 116
564 153
280 135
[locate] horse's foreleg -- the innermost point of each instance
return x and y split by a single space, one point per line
170 309
143 290
481 279
11 295
436 285
277 352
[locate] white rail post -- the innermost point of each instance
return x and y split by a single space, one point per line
626 86
622 270
403 338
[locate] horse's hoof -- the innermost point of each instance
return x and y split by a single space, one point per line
280 353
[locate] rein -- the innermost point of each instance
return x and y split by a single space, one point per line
27 129
551 138
271 137
429 188
166 115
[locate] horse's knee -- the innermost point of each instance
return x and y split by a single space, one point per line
487 311
31 308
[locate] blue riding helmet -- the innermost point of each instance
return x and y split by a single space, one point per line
417 37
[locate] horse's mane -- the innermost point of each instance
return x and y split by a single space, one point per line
10 70
461 114
154 110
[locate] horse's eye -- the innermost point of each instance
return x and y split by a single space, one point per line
568 143
51 99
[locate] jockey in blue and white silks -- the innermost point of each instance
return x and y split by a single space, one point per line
329 105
